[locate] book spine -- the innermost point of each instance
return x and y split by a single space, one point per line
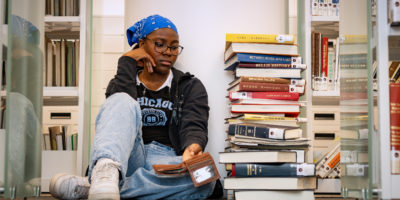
294 96
271 65
264 80
256 131
324 56
263 87
248 130
264 58
394 93
272 170
260 38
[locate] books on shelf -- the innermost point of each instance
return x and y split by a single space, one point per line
271 183
62 66
62 7
325 8
267 80
270 169
394 100
59 138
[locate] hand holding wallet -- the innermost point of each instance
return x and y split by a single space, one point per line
201 168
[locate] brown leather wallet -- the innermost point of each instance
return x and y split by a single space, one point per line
201 168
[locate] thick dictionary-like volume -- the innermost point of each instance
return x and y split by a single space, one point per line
293 96
271 169
201 168
271 183
265 87
395 127
257 48
264 131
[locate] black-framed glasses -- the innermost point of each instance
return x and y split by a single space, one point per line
161 47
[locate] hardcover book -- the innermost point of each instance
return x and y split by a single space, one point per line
268 72
259 38
271 169
256 48
265 87
394 93
257 157
260 58
264 131
271 183
269 194
292 96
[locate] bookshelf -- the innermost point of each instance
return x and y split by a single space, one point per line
387 183
70 161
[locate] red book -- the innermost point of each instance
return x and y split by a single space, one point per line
270 65
324 56
265 87
394 93
293 96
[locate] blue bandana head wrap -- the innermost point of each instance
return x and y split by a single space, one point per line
146 26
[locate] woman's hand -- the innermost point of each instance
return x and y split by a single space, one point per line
142 58
192 151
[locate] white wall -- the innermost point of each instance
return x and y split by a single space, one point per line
202 26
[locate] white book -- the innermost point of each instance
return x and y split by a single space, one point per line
261 48
267 195
271 183
257 157
274 73
58 63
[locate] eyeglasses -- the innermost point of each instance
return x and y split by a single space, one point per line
162 47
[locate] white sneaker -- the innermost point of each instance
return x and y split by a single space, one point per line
64 186
105 179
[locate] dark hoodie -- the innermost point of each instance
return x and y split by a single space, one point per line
189 122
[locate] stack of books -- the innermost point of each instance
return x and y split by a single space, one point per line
265 155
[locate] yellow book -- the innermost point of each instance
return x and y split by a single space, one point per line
353 39
259 38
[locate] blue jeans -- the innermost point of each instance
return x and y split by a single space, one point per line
119 137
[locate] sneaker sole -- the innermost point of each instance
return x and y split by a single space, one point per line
103 196
53 183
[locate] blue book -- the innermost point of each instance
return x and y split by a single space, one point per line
260 58
272 170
